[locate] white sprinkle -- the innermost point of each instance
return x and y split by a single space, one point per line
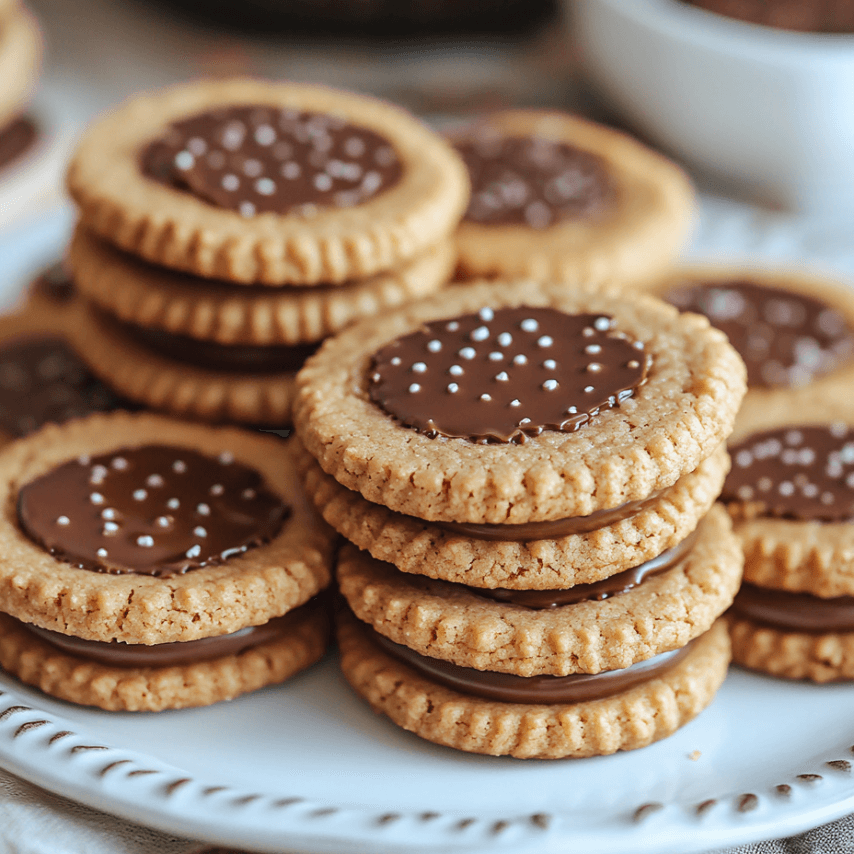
419 367
265 186
502 377
593 349
110 528
453 388
203 509
743 458
634 363
246 209
179 466
794 437
486 314
455 370
529 325
162 522
846 455
545 341
184 160
396 361
638 345
323 182
588 331
516 402
810 490
226 458
252 168
139 495
96 498
98 474
453 326
573 410
154 480
108 513
588 388
291 170
594 367
434 346
765 483
119 463
265 135
194 551
550 385
486 397
248 494
505 339
786 488
468 352
745 493
521 359
838 430
525 421
354 147
101 552
603 324
479 334
230 182
199 531
495 356
827 498
414 388
550 364
84 459
63 520
173 503
197 146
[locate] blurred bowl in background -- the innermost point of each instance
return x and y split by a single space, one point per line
766 110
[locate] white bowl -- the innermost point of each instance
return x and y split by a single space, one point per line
768 109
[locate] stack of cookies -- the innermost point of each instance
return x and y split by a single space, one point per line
527 476
227 227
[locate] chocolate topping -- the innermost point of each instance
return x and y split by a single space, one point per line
55 283
804 473
785 338
532 181
261 159
42 381
16 139
507 688
498 376
797 612
816 16
154 510
598 591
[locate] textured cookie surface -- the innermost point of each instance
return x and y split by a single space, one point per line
336 244
625 721
419 547
155 297
153 689
672 423
634 237
249 589
451 622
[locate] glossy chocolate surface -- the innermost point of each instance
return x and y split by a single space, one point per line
502 375
809 16
785 338
42 382
258 159
598 591
507 688
804 473
153 510
532 181
16 139
797 612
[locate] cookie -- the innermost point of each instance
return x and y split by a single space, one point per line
20 58
153 297
515 402
269 183
618 622
295 641
557 197
794 330
424 548
140 529
655 704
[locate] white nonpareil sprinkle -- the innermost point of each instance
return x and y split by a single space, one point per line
434 346
479 334
603 324
550 385
419 367
199 531
453 326
194 551
230 182
179 467
173 503
594 367
63 520
495 356
96 498
108 513
101 552
455 370
529 325
468 353
119 463
226 458
248 493
453 388
505 339
110 528
521 359
414 388
139 495
486 314
550 364
502 377
265 187
486 397
545 341
516 402
154 480
162 522
184 160
593 349
588 388
203 509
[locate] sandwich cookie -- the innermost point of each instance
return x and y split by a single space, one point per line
148 564
557 197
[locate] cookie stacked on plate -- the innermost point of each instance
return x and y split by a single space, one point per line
530 474
227 227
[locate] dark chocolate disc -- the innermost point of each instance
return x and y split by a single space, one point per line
154 510
785 338
804 473
260 159
42 381
500 375
532 181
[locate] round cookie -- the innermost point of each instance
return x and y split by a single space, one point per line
456 623
624 721
158 298
20 58
557 197
416 546
678 382
385 190
289 564
794 329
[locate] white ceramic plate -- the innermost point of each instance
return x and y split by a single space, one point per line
308 767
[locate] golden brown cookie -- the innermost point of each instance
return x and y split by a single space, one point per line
385 188
625 721
679 382
794 328
140 293
20 57
557 197
456 623
153 689
424 548
247 587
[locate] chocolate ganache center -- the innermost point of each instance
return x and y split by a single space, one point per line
785 338
532 181
507 688
257 159
153 510
501 375
16 138
803 472
42 382
797 612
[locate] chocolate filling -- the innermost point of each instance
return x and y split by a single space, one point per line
532 181
797 472
598 591
152 510
42 382
503 375
258 159
797 612
785 338
16 139
119 654
507 688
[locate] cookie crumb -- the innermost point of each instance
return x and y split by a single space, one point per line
694 755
